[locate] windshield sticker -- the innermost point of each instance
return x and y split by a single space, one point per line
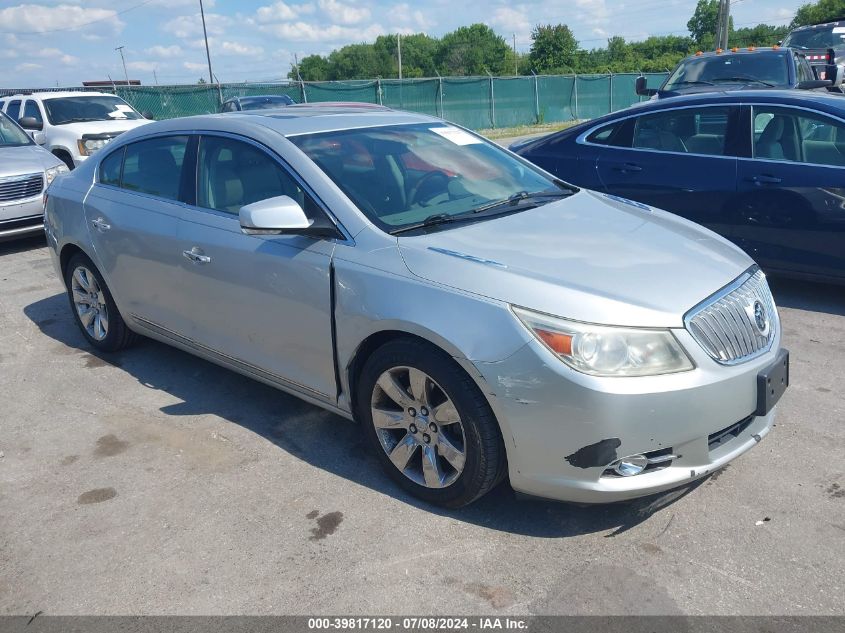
456 135
118 114
839 29
122 107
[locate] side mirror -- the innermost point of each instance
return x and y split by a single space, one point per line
30 123
642 89
39 137
814 84
274 216
835 74
148 115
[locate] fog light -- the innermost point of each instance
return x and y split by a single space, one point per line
629 466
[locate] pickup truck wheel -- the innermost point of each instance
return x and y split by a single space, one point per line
429 424
93 306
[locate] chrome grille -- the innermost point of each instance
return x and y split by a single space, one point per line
727 326
20 187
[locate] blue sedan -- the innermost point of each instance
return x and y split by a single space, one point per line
766 169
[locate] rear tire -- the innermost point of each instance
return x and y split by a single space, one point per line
93 307
429 424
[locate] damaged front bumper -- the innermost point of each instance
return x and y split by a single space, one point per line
564 430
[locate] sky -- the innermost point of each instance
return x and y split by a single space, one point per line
62 43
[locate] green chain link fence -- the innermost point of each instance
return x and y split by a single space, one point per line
474 102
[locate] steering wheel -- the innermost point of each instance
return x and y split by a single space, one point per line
423 183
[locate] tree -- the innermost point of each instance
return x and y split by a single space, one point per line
202 81
821 11
418 52
472 50
553 48
702 25
311 68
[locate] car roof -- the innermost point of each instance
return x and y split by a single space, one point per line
740 51
58 93
298 119
807 27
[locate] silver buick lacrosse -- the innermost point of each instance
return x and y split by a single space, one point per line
479 318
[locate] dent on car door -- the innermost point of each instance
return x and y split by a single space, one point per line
790 207
263 300
132 213
682 160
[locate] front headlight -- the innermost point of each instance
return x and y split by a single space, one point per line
51 172
600 350
88 146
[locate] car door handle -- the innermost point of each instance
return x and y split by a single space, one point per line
100 224
628 168
196 255
765 180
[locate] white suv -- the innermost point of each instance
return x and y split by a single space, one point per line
74 124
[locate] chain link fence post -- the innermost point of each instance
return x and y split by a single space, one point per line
536 98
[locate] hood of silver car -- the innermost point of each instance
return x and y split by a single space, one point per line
27 159
591 258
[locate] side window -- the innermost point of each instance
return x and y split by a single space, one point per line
14 110
805 73
110 168
233 174
686 130
798 136
610 134
154 166
31 109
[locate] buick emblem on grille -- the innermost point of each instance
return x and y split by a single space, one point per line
758 317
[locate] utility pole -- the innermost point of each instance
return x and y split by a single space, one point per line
207 53
155 76
399 51
515 67
723 24
119 49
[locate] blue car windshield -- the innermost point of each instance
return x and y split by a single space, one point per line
403 175
765 68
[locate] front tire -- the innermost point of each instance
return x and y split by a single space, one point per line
93 307
429 423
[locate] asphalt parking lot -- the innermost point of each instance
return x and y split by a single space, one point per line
152 482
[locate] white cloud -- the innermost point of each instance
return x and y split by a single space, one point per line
403 14
512 20
164 51
593 12
68 60
37 18
343 13
194 66
282 12
184 26
306 32
236 48
27 67
143 66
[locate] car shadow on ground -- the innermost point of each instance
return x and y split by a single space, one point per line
808 295
10 247
328 441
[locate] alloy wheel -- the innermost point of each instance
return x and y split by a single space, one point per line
418 427
90 303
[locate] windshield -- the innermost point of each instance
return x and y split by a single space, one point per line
402 176
817 37
11 135
766 69
263 103
63 110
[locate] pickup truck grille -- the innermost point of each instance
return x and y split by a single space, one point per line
20 187
737 324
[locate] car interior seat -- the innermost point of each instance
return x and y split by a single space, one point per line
779 140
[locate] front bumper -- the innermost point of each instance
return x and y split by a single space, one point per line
19 219
563 428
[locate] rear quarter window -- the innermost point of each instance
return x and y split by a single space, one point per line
110 168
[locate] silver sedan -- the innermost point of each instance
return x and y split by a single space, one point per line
479 318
